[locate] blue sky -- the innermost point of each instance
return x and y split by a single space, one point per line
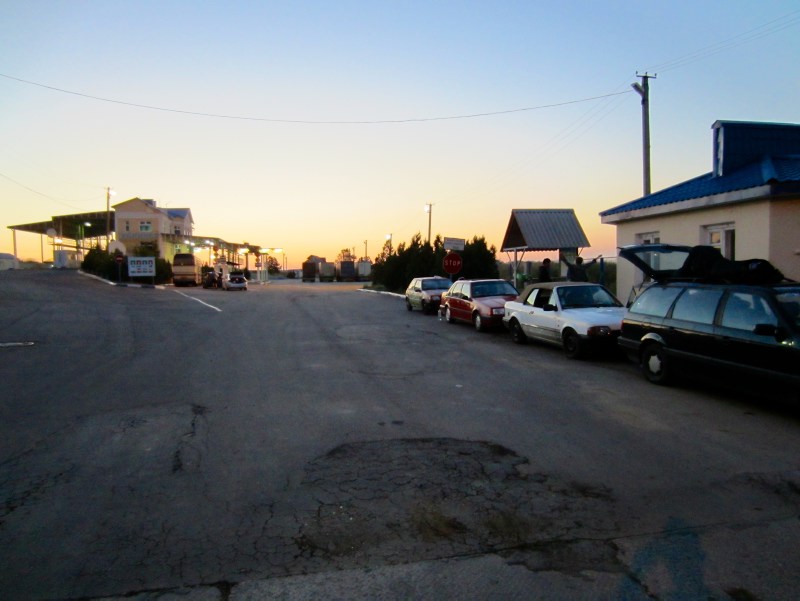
277 172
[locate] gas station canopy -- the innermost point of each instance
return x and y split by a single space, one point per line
76 226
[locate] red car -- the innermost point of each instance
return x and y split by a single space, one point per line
479 302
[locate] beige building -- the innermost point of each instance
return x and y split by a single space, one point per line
139 222
748 206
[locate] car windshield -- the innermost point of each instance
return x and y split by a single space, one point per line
574 297
435 284
499 288
789 300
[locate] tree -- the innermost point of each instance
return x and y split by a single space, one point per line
394 269
273 267
345 254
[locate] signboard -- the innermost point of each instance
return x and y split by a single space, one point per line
141 267
454 243
452 263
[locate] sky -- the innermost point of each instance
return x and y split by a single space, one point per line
320 126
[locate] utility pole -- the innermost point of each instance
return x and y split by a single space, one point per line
108 218
643 90
429 211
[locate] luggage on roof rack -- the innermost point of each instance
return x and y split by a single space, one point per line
705 263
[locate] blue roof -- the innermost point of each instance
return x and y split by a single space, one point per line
177 213
770 169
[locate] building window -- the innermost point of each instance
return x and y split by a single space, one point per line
127 226
145 226
653 259
648 238
721 236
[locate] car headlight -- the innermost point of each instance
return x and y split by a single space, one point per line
599 331
498 311
435 297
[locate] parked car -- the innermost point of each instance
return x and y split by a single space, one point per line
426 293
211 280
579 316
748 329
235 281
479 302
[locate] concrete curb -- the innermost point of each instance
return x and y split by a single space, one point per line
120 284
394 294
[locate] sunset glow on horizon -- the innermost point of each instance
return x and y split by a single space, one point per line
316 127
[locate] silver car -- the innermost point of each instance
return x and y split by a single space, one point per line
577 316
426 293
235 281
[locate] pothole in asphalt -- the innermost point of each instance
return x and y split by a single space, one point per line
412 499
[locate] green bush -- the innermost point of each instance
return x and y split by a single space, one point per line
393 269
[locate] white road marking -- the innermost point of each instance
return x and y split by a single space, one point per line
199 301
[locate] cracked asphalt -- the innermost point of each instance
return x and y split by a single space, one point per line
321 442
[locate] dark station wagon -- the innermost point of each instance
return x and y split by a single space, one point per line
720 324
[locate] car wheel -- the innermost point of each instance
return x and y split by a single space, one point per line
573 345
655 364
408 305
477 322
517 335
447 315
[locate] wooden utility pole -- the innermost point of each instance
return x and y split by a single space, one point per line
643 90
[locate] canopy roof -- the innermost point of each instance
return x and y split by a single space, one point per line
71 226
543 229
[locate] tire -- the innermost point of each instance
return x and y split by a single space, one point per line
655 364
517 335
477 322
574 347
448 316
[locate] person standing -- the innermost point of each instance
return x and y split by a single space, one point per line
576 272
544 271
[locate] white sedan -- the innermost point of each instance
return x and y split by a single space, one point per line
578 316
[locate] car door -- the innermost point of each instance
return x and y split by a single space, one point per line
539 317
414 293
690 330
752 337
457 300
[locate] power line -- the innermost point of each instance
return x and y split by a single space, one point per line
776 25
306 121
47 196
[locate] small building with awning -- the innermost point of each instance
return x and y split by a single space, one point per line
538 230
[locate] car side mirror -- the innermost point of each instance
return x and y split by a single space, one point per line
549 307
765 329
768 329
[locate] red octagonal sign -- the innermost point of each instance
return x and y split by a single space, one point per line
452 263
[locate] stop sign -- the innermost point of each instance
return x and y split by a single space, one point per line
452 263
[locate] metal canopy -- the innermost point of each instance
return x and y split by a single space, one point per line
71 226
543 229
